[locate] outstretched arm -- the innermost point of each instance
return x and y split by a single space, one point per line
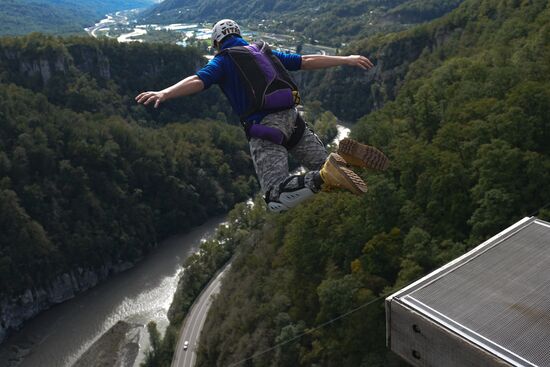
187 86
310 62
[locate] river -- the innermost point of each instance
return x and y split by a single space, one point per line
57 337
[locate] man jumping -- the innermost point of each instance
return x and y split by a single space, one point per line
256 81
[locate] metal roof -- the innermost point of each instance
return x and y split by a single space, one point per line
497 296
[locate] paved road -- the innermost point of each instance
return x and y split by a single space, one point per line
193 324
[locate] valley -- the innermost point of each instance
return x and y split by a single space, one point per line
124 27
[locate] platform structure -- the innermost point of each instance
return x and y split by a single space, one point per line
490 307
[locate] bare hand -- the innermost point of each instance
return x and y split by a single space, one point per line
360 61
150 97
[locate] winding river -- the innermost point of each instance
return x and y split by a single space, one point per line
58 337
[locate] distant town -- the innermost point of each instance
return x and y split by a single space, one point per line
124 26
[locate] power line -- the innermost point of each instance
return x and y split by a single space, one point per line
311 330
538 210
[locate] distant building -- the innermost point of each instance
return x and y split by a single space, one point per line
490 307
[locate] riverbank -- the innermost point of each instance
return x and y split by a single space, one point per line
117 347
16 310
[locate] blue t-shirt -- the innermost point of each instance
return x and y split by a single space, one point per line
221 70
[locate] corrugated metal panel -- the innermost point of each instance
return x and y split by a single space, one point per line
499 298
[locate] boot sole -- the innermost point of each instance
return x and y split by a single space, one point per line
356 183
365 156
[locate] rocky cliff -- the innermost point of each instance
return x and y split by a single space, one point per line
15 310
370 90
102 76
392 55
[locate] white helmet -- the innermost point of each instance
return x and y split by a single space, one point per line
224 28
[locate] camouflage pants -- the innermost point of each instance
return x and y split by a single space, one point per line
271 160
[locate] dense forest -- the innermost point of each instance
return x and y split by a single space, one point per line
323 21
18 17
468 137
87 177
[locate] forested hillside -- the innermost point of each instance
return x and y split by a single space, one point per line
103 76
468 137
324 21
19 17
393 55
86 183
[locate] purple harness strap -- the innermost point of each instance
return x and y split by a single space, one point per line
267 133
275 135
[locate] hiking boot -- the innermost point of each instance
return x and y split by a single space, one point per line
336 175
361 155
